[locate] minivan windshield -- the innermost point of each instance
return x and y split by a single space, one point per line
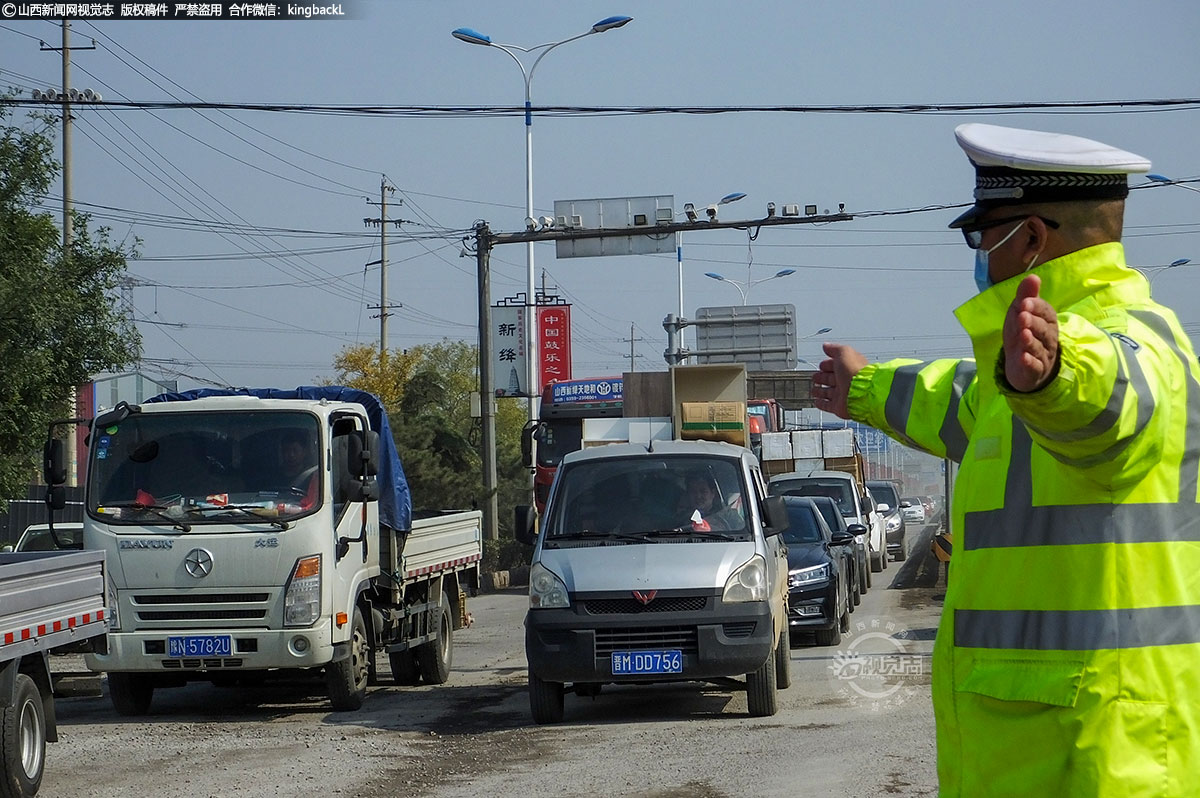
649 499
205 467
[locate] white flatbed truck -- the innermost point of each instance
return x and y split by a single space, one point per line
47 600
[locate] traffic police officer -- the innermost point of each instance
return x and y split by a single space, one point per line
1067 662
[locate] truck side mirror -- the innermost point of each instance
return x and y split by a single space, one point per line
368 491
54 470
776 515
524 519
373 447
56 497
527 443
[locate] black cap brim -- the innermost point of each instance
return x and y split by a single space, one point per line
971 214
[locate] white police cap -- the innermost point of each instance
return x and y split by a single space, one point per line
1018 167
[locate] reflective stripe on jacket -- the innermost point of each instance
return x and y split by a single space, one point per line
1067 662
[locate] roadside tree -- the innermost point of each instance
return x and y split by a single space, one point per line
60 319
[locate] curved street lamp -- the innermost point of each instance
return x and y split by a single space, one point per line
1168 181
744 287
1153 271
471 36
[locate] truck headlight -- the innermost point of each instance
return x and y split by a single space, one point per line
546 590
747 583
114 615
302 599
803 577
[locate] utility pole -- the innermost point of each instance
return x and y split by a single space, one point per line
72 453
631 340
487 385
383 221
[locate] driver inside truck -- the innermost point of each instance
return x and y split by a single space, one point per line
298 467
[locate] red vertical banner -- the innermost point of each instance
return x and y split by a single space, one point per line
554 342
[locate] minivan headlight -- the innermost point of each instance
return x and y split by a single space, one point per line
546 589
747 583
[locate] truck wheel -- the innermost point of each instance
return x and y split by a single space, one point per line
545 700
434 657
346 680
404 667
131 693
783 663
23 741
762 697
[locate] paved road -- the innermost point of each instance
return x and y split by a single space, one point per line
862 736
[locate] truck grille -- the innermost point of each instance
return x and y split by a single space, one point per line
633 606
199 608
661 637
201 664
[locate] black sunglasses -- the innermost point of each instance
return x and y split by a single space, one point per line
974 233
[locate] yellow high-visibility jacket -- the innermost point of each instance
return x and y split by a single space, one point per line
1067 662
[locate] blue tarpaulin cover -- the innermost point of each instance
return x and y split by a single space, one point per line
395 503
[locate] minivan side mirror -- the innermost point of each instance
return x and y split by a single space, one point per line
883 507
524 520
857 529
776 515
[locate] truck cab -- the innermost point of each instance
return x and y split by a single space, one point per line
656 562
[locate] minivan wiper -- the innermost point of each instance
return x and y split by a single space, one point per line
640 538
691 533
157 509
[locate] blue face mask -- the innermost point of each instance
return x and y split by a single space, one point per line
983 278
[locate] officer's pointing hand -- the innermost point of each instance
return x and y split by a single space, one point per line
831 383
1030 338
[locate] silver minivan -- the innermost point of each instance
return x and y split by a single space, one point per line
658 562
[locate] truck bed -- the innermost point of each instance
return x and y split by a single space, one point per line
441 541
49 599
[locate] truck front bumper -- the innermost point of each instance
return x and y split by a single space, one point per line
715 639
251 650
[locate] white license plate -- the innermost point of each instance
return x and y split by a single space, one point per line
200 646
625 663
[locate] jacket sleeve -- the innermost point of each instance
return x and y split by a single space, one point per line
929 406
1099 412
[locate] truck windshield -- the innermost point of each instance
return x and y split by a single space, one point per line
205 467
701 498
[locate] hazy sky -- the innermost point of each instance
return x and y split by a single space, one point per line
251 222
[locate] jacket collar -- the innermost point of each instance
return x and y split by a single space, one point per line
1098 273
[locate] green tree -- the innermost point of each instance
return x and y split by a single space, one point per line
427 391
60 320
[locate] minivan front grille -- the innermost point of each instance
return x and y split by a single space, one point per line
631 606
683 638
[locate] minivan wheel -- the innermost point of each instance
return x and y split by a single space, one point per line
762 697
545 700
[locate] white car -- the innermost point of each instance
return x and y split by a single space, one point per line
36 537
855 502
912 509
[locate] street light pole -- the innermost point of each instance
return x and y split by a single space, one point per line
738 284
474 37
728 198
1153 271
1168 181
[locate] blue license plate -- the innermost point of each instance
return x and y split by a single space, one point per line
626 663
200 646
